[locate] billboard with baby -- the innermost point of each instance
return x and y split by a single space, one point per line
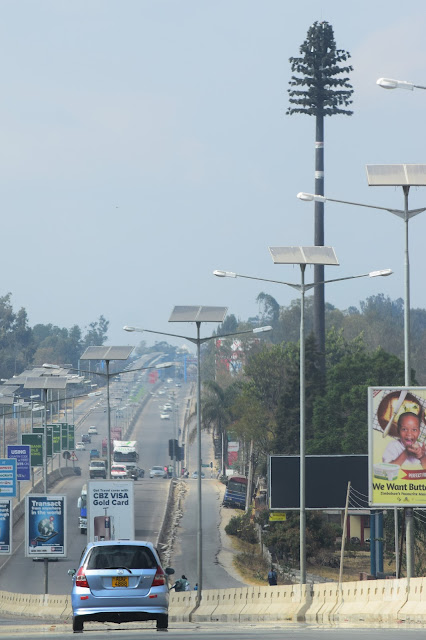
397 446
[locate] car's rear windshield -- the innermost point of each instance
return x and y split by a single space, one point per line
114 557
98 463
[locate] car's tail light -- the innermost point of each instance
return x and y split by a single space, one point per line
159 578
80 579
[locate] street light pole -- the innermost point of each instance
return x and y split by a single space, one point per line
406 214
302 429
390 83
108 421
199 468
288 255
191 314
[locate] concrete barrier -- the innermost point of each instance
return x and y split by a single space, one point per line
281 602
208 605
181 605
382 601
395 595
353 602
414 609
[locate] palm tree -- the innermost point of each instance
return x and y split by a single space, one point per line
216 412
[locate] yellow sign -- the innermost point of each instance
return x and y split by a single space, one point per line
277 516
397 447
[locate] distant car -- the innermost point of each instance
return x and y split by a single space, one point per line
178 384
195 475
157 472
86 438
119 471
165 416
80 446
120 581
94 453
92 430
135 472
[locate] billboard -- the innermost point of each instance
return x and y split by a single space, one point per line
397 446
35 441
5 526
22 453
7 477
45 526
326 481
110 510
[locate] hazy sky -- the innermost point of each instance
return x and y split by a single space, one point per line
144 143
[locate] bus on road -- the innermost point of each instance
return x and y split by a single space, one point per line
235 492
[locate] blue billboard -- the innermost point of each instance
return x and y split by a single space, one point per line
45 526
5 526
22 454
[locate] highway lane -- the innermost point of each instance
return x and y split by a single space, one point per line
218 631
21 574
184 558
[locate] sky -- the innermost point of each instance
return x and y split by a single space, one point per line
145 143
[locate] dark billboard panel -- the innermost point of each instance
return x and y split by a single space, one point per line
326 481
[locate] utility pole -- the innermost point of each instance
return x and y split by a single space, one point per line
319 90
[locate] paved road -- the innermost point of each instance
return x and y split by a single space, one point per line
21 574
216 573
217 631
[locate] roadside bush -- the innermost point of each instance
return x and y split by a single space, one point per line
283 538
242 527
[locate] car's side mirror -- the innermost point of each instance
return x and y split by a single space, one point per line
71 572
169 571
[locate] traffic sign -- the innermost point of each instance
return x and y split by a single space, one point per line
277 516
73 456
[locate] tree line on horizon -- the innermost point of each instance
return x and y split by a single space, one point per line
23 347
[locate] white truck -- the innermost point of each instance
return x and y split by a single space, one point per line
98 468
82 506
125 452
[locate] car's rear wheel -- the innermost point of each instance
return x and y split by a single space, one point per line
77 624
163 621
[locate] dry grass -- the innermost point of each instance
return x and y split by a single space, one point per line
253 568
249 563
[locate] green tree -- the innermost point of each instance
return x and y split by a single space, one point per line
283 538
97 333
340 417
216 411
16 345
287 435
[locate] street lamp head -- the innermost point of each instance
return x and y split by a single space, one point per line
50 366
382 272
390 83
310 197
126 328
262 329
163 365
224 274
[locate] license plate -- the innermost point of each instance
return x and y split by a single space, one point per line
120 581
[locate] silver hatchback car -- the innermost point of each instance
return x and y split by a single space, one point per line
120 581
